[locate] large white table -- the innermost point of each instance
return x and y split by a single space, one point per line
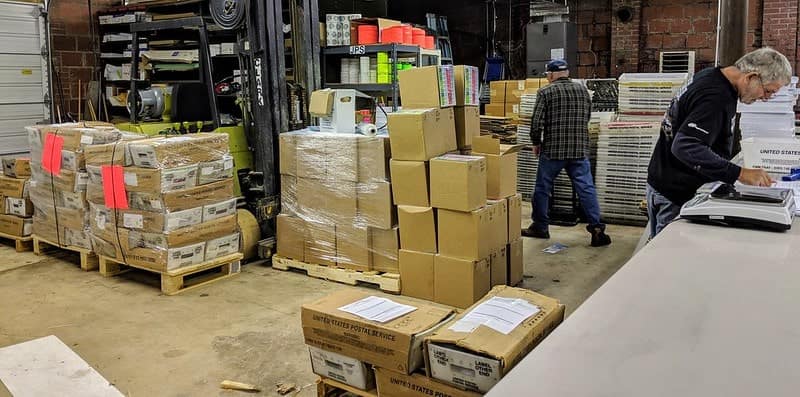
700 311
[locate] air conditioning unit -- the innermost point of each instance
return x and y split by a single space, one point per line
676 62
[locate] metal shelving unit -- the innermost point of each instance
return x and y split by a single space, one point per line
423 58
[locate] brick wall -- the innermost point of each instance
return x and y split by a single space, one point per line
780 28
625 38
594 37
73 55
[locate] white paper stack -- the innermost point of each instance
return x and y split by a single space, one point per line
623 155
773 118
645 97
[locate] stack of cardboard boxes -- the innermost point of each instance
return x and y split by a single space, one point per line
506 95
336 201
352 341
163 203
59 180
16 208
454 243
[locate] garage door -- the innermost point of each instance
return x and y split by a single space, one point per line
23 74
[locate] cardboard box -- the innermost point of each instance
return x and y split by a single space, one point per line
214 171
394 384
501 166
179 200
341 201
500 110
516 266
160 180
416 274
352 247
498 224
15 226
320 244
311 153
477 360
464 235
417 228
291 233
458 182
77 238
73 161
17 168
321 103
395 345
506 91
514 217
12 187
535 84
498 263
219 210
214 231
385 249
342 153
422 134
410 181
75 135
164 260
288 154
374 153
159 222
179 150
342 369
375 206
116 153
66 180
63 217
468 125
427 87
289 194
18 206
222 246
460 282
43 193
468 85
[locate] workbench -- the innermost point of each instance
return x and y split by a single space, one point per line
700 311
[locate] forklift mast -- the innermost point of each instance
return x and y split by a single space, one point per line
263 58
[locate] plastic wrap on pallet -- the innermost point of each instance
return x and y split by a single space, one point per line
177 205
336 201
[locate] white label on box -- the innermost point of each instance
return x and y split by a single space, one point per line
181 219
219 210
156 204
222 246
133 221
228 164
185 256
131 179
378 309
515 109
81 179
143 156
87 140
207 170
341 368
100 221
500 314
27 227
463 369
557 53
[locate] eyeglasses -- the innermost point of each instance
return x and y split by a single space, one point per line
767 93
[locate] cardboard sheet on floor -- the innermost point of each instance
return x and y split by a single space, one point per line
47 367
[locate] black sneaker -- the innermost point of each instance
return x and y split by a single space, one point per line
599 236
535 233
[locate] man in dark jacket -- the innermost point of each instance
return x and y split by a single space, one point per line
696 141
560 136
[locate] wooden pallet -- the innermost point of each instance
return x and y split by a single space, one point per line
386 282
89 260
180 280
21 244
331 388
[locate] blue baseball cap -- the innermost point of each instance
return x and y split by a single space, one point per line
557 65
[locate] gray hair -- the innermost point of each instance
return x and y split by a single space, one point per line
771 65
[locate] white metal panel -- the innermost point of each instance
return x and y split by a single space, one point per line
23 74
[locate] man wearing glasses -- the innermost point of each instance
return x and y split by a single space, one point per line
696 140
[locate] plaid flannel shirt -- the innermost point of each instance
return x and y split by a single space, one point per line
560 121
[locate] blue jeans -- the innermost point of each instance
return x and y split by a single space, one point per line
580 172
660 210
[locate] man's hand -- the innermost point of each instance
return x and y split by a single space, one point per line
536 149
755 177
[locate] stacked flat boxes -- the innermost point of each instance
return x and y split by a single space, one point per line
163 203
645 97
16 209
336 201
59 180
624 151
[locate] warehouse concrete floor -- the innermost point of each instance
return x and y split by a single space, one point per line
245 328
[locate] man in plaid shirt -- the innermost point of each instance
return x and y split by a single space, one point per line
560 135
